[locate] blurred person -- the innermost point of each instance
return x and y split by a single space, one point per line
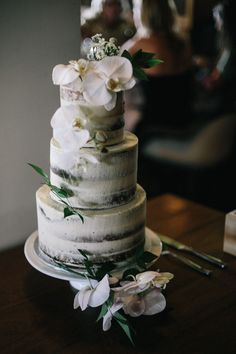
218 80
166 96
110 23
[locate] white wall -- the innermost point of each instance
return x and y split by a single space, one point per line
34 36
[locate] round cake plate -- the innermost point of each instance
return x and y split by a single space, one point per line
46 265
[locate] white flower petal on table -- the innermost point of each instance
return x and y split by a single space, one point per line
79 298
63 74
155 302
95 91
108 316
84 297
101 293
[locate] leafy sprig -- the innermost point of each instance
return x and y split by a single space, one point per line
61 193
141 60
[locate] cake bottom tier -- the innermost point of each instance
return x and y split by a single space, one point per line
115 234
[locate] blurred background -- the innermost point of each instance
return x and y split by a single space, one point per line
184 115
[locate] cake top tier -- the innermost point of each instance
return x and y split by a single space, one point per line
97 79
91 112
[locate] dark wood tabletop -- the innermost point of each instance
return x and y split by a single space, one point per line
37 315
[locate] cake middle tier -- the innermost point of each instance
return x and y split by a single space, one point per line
105 184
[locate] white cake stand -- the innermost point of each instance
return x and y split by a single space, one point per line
47 266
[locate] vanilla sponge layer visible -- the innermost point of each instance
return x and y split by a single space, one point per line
108 235
108 183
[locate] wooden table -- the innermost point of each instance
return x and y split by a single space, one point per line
37 316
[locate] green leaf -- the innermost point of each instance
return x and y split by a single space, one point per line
41 172
152 62
61 192
89 267
121 320
84 253
68 212
139 73
103 311
127 55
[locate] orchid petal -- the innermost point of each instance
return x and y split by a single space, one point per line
116 67
135 307
95 91
108 316
84 297
75 85
112 103
82 137
101 293
128 85
146 277
155 302
79 297
63 74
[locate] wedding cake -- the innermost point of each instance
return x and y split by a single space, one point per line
93 161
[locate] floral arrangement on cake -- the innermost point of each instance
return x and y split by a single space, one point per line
137 292
97 81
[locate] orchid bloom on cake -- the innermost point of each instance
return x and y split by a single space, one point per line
109 76
68 124
72 74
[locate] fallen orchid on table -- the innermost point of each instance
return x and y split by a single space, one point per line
136 293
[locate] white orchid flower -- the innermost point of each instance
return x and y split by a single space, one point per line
109 76
141 282
108 316
93 296
71 75
68 128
